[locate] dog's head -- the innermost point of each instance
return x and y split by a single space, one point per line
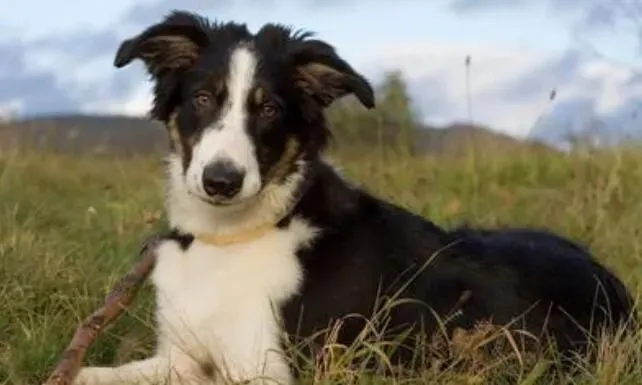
241 109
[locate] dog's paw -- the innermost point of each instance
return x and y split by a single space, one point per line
94 376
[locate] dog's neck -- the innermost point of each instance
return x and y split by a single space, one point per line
192 215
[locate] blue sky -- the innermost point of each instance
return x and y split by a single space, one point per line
56 56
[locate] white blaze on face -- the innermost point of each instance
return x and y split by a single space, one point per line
227 139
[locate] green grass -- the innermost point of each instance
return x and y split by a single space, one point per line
70 227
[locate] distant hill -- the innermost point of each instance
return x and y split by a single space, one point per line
96 134
459 138
126 136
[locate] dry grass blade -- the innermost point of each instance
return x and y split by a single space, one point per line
120 297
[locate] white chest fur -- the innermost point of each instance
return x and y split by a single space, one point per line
219 305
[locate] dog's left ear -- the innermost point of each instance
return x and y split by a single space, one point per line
173 44
321 73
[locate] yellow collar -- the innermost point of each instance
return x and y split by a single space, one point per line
229 239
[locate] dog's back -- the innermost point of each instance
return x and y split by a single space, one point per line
548 266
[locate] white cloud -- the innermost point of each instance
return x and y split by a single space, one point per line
137 103
10 109
491 68
510 88
616 81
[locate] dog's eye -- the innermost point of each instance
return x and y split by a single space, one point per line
268 110
203 100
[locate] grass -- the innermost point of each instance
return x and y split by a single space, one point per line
70 227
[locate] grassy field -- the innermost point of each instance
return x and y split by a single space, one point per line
69 227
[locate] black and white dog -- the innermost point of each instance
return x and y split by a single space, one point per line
269 241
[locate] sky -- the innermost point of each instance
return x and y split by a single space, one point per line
56 57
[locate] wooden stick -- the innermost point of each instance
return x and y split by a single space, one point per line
120 297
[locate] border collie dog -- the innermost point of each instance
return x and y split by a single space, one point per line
270 242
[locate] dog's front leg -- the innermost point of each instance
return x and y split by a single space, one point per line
149 371
157 370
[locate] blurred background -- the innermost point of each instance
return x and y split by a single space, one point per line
558 72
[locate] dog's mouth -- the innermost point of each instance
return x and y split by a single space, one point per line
221 201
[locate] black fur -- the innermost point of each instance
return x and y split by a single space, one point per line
368 244
184 240
368 247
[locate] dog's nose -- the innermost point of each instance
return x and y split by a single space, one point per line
222 178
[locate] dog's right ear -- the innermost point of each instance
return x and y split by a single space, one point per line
173 44
322 73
